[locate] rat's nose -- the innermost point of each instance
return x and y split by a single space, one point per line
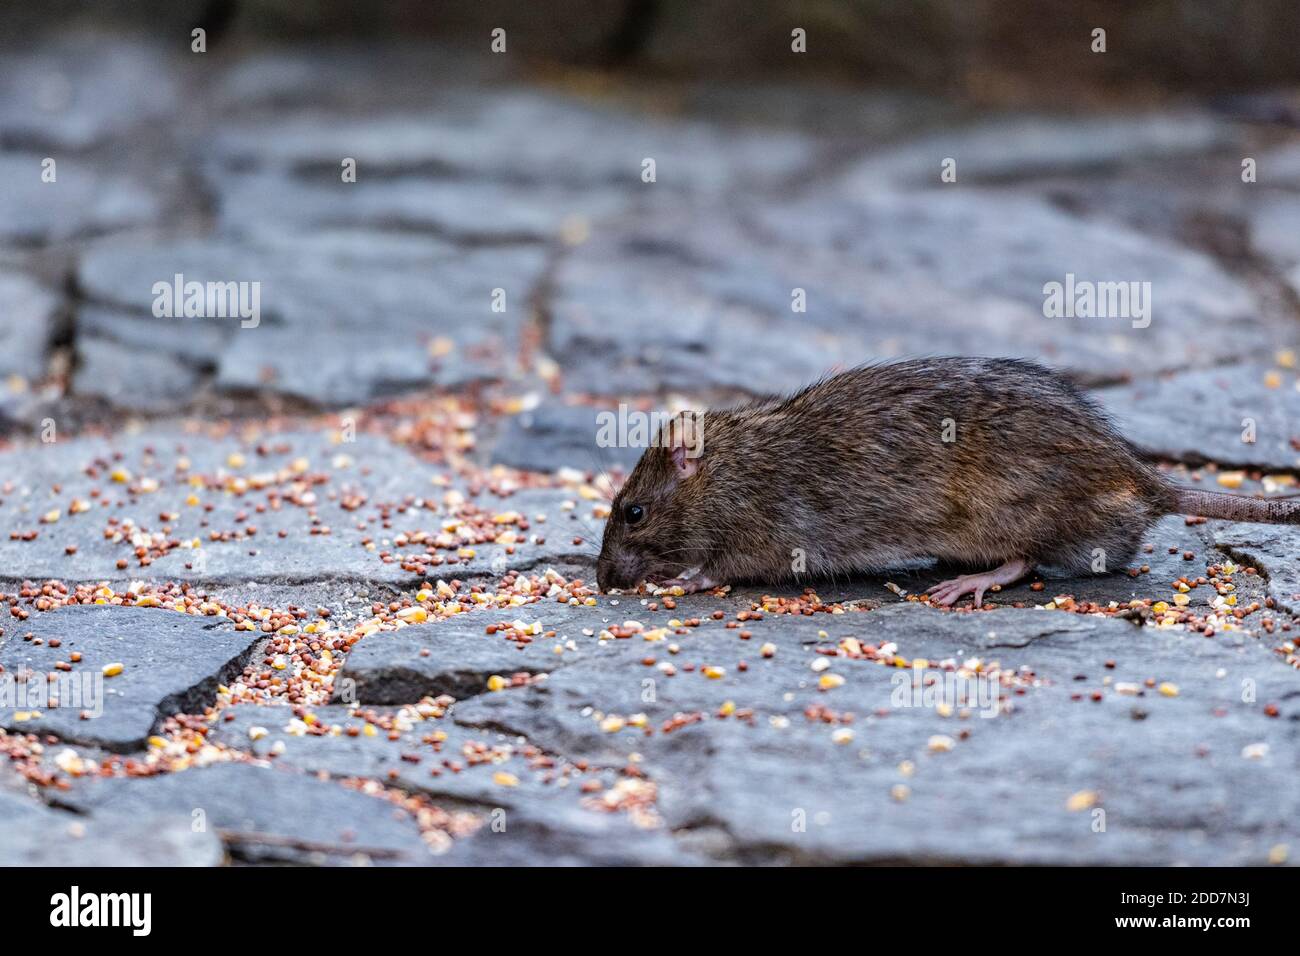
605 574
612 572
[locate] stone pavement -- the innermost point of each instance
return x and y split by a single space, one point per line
320 589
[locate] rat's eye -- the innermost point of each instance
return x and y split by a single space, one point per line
633 513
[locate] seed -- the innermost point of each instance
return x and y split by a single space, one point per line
497 682
1081 801
112 670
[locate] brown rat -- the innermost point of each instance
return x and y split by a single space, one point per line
854 473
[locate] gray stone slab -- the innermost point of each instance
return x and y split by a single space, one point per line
365 474
172 663
30 313
32 834
193 341
1177 785
338 280
82 201
76 89
1205 415
274 733
468 210
1274 223
663 301
129 377
343 317
1022 147
1280 165
496 137
267 815
554 436
25 335
536 815
461 656
1272 549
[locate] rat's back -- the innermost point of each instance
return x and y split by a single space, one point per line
966 459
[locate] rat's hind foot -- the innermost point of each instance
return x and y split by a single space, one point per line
947 592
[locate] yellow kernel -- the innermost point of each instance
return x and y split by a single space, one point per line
1081 801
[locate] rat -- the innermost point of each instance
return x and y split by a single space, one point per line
980 462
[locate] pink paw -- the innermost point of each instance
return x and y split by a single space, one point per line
947 592
691 585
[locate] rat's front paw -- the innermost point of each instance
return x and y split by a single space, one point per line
691 585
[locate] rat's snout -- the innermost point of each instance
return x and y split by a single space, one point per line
618 570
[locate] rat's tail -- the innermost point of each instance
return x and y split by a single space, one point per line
1216 504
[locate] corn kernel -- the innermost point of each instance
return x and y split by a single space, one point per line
1081 801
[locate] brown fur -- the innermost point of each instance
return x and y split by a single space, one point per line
853 472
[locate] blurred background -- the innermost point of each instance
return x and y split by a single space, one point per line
549 209
635 199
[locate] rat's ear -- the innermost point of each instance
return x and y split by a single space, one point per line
683 437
